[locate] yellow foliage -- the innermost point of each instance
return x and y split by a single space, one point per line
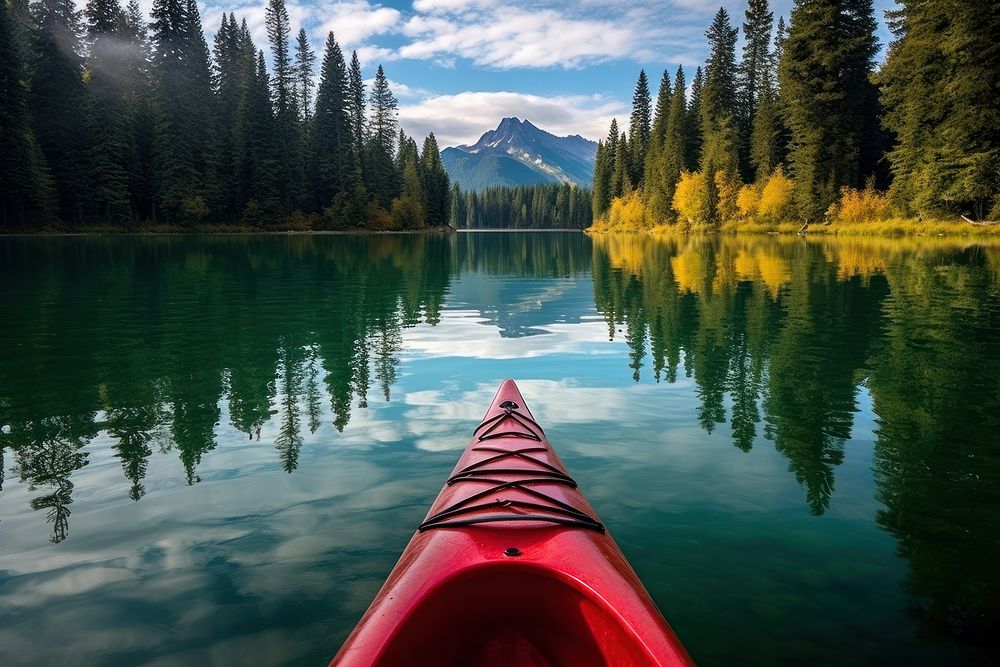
776 196
626 213
747 200
775 271
626 251
860 259
727 190
408 212
745 265
691 198
194 207
857 206
378 218
691 269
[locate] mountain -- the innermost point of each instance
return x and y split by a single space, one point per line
518 153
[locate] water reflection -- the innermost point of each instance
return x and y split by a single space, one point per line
149 339
170 357
787 332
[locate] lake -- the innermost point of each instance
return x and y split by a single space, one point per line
215 448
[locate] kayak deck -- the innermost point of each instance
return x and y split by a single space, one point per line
512 568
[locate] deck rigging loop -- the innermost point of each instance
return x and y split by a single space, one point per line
466 512
532 430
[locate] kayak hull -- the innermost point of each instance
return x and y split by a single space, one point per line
512 568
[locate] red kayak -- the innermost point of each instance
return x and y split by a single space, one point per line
510 568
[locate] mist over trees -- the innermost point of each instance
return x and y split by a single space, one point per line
803 127
111 120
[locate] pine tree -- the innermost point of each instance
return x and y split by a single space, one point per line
58 105
435 182
256 123
655 184
692 125
304 59
754 69
227 82
333 146
137 91
108 120
286 114
939 86
380 170
25 187
185 170
357 109
252 133
780 34
720 148
227 72
621 181
640 128
203 116
457 216
765 138
675 142
829 101
718 99
664 97
602 181
604 169
283 80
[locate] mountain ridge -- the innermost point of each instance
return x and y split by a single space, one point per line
517 152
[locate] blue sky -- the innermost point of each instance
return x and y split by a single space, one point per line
458 66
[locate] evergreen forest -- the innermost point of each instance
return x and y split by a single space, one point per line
107 120
549 206
803 127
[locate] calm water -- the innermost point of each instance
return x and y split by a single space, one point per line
218 447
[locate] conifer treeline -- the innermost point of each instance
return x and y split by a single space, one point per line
546 206
107 118
803 117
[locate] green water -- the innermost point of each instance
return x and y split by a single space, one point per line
218 447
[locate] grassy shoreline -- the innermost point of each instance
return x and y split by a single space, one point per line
891 228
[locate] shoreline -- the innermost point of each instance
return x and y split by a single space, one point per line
272 232
225 232
887 229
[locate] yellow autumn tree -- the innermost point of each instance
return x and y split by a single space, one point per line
691 198
627 214
858 206
747 201
776 196
727 188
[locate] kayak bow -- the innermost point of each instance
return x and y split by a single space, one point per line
511 567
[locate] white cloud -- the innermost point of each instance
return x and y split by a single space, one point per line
450 5
520 38
462 118
355 21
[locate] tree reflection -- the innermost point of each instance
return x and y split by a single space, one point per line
46 453
154 332
936 390
773 331
790 331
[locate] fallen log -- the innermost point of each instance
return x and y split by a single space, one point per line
980 223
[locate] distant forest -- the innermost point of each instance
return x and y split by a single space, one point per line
803 128
549 206
106 119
